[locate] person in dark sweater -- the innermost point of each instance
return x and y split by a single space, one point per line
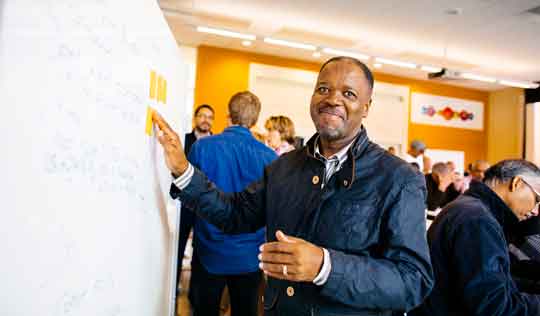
440 189
469 250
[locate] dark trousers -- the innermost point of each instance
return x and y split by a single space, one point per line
205 290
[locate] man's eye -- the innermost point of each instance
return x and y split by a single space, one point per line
350 94
322 89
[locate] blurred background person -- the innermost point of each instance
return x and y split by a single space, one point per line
203 118
416 153
478 169
392 150
280 135
440 188
459 180
475 172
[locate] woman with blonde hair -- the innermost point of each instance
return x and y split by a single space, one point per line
280 134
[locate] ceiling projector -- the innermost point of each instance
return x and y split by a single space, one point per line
445 74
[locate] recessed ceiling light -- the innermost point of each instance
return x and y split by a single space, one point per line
377 65
478 77
395 63
246 43
516 84
316 54
280 42
430 68
204 29
336 52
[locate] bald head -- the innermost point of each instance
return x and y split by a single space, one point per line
478 168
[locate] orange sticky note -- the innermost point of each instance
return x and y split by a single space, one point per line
149 125
152 84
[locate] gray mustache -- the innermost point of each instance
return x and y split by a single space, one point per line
331 110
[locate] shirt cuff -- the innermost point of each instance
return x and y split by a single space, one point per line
183 181
325 269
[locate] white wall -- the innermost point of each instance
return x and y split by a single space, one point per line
532 139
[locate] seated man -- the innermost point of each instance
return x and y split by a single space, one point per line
440 189
469 250
524 247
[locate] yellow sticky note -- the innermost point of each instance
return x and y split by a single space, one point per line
160 89
164 94
149 126
152 84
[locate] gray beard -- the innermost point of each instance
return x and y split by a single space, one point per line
331 135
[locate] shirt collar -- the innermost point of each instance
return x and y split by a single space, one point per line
341 155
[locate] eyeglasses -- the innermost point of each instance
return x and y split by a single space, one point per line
536 194
201 116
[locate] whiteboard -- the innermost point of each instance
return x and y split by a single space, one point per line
287 91
87 227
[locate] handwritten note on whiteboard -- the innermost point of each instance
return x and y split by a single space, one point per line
85 224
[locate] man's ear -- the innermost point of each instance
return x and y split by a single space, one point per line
514 184
366 108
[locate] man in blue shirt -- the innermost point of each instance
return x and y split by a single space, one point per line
232 159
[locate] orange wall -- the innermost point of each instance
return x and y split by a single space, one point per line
223 72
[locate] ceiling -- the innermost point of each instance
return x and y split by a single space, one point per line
494 38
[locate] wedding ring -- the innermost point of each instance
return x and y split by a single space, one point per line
284 269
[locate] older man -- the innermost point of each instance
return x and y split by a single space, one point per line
468 243
344 219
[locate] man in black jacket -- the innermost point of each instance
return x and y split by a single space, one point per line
468 246
202 120
344 219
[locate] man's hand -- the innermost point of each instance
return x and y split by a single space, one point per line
174 154
291 258
445 181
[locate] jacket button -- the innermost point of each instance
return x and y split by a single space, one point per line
345 182
290 291
315 179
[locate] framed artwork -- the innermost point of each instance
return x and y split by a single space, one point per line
444 111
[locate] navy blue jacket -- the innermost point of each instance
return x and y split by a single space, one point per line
370 216
469 253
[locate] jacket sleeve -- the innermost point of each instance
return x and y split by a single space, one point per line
480 257
242 212
400 276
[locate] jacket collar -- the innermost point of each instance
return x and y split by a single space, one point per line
346 175
502 213
237 129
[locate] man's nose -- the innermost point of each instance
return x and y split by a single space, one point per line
335 98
